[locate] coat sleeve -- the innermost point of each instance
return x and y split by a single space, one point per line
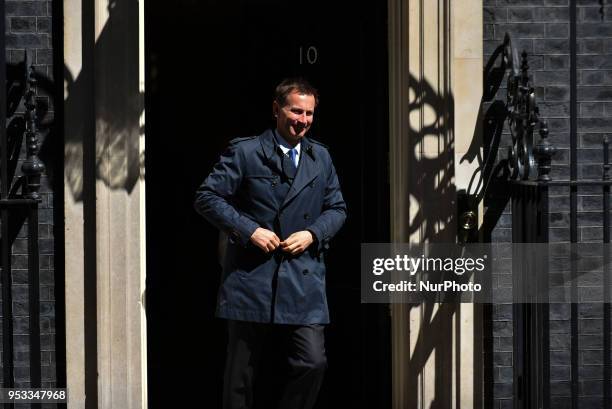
333 215
215 195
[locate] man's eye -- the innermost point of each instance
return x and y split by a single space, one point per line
301 112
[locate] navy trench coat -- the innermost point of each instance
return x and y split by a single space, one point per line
241 194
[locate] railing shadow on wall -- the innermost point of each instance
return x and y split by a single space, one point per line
431 175
494 175
105 139
433 193
490 183
431 181
96 137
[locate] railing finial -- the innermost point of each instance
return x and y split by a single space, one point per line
32 167
523 117
543 152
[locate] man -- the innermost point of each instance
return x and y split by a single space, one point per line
278 199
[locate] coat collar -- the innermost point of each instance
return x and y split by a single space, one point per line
270 150
270 146
307 170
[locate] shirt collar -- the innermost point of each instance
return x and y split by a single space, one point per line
285 146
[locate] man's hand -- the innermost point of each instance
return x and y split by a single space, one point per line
265 239
297 242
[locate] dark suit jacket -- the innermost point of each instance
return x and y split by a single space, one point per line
241 194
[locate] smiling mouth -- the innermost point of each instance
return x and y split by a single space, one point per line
299 128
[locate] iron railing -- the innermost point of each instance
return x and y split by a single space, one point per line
529 168
19 202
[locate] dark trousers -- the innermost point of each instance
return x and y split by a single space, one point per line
305 356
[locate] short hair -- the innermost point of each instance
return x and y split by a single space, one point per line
289 85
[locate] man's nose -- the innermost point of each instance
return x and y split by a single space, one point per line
303 119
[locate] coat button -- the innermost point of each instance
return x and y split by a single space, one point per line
274 183
305 271
306 216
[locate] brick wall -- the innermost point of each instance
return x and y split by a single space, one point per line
28 29
541 27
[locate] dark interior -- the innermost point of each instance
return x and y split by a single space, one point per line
211 69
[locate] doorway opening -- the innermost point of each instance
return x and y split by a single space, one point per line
211 68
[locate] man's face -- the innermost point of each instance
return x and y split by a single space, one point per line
294 119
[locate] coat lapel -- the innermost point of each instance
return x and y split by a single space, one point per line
269 147
307 171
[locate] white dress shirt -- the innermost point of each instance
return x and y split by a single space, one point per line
286 147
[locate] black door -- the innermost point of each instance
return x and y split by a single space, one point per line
211 70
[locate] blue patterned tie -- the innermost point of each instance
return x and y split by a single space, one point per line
292 155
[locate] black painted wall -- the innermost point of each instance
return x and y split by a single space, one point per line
29 30
541 27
